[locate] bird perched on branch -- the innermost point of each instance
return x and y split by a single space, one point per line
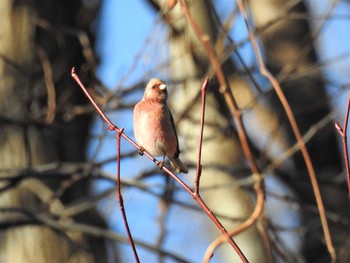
154 127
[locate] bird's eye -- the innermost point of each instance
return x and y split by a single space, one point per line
154 86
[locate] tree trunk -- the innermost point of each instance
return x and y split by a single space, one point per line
39 45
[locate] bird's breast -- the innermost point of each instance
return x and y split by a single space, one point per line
153 128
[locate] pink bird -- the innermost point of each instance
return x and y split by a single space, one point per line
154 125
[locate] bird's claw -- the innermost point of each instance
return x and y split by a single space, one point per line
141 150
160 164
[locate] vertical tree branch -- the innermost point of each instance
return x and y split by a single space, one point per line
121 201
199 165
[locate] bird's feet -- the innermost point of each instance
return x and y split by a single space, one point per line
141 150
160 164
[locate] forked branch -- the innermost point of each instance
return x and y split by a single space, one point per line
194 193
343 133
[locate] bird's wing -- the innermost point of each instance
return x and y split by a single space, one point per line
177 140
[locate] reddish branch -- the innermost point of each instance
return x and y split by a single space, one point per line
199 165
121 200
194 194
343 133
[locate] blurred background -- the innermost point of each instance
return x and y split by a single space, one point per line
58 161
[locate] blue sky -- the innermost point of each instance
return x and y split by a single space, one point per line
124 27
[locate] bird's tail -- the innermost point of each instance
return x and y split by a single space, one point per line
177 165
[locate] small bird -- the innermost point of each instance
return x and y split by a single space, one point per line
154 127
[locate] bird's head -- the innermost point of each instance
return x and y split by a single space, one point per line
156 89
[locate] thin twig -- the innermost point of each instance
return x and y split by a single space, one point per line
291 118
199 165
343 133
121 201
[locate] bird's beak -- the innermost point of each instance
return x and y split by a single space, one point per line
162 87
